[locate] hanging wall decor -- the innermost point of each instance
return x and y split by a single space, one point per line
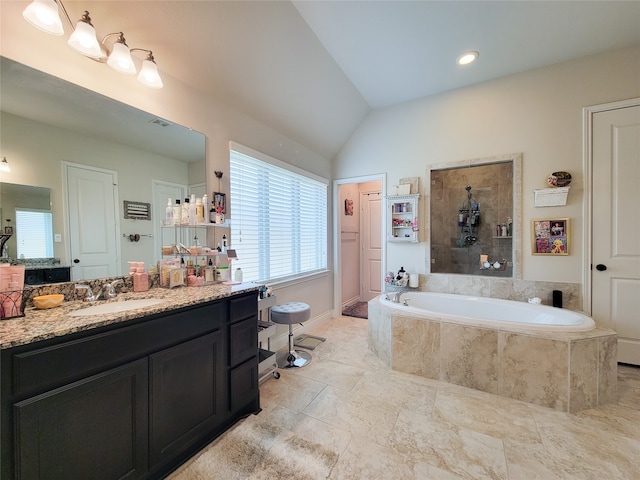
550 236
348 207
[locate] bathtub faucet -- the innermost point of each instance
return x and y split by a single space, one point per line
392 297
405 302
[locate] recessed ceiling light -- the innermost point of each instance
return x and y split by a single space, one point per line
467 57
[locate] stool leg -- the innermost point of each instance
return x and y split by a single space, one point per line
296 358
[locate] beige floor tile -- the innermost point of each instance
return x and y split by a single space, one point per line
464 452
346 416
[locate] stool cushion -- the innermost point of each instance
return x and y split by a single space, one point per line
291 312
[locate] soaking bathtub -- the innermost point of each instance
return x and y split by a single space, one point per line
491 312
552 357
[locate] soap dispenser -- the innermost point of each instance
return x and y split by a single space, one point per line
140 279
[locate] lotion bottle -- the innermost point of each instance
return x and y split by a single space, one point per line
140 279
184 218
192 210
177 212
205 207
199 211
168 214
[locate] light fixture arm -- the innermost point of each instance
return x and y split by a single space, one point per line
148 52
66 14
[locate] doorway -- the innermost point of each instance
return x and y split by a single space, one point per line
612 151
92 214
359 246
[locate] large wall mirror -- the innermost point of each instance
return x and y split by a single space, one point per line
48 124
475 217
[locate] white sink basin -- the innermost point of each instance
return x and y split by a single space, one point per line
116 307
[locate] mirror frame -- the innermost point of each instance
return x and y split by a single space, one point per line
516 159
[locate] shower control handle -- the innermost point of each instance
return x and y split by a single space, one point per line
600 267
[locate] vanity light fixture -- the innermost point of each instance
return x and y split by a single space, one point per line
45 15
4 166
468 57
83 39
120 59
149 72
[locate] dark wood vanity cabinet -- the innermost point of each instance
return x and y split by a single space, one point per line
133 400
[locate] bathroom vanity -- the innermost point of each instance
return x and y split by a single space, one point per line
126 395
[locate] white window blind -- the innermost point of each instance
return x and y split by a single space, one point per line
278 218
34 233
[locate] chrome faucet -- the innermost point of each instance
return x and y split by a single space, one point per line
109 287
89 297
405 302
393 297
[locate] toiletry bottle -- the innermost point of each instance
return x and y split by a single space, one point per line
177 212
168 213
212 214
401 273
224 243
237 276
140 279
132 267
192 210
509 227
185 212
504 230
199 211
205 207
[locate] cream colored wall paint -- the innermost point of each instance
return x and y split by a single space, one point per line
538 113
202 111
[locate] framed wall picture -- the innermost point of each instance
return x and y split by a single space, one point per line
550 236
220 202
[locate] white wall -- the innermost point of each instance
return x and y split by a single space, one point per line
538 113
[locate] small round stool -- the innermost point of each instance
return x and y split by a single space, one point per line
288 314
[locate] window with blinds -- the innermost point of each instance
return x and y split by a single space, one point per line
34 233
278 217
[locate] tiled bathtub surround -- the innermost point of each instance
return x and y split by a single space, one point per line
565 371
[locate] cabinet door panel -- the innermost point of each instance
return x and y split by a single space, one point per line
243 307
243 338
244 385
187 394
94 428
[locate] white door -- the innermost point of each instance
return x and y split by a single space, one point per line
616 227
161 192
371 229
93 217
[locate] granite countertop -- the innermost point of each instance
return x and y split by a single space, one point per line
39 325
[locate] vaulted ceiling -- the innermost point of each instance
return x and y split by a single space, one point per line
313 70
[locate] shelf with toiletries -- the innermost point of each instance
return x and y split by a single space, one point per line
402 218
187 260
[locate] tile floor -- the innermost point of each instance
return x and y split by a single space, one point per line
383 424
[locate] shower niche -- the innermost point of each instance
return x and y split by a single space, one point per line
469 203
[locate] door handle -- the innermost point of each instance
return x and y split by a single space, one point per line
76 260
600 267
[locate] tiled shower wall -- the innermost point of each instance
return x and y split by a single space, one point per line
492 187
